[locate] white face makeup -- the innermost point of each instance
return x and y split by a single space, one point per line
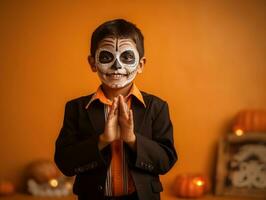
117 61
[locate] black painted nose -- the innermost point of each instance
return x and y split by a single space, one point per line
116 65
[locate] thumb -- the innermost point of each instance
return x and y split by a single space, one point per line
131 116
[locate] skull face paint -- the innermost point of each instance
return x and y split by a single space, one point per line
117 61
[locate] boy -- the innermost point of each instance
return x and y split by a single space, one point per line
118 140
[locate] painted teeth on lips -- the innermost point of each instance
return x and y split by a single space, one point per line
116 75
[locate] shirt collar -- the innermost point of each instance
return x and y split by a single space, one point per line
102 98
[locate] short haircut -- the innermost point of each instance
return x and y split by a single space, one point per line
119 28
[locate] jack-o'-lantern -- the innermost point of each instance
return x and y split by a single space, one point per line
43 171
250 121
191 185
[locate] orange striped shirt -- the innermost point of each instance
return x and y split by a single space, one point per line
119 180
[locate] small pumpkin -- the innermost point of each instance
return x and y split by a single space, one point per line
43 171
250 121
191 185
6 188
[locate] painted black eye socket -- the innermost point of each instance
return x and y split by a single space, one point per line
127 57
106 57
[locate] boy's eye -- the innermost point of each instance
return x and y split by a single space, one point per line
127 57
106 57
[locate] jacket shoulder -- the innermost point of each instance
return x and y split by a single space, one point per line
154 104
82 100
151 98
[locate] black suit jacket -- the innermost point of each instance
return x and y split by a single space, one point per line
77 153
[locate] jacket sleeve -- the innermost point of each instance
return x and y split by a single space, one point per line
73 155
157 154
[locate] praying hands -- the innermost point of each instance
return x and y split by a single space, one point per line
119 124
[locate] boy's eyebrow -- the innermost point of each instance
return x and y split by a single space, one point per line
124 43
103 45
107 41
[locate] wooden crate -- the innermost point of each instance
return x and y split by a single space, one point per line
226 149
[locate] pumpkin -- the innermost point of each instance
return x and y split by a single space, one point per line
6 188
191 185
250 121
43 171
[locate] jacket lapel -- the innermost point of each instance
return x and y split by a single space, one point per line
96 115
138 114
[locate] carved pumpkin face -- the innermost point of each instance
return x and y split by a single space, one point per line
191 186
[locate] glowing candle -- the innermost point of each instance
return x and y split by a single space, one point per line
239 132
53 183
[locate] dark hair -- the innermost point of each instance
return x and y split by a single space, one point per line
119 28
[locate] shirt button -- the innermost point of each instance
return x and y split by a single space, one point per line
100 187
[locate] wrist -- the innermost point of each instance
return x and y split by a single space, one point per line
132 143
102 143
130 139
104 139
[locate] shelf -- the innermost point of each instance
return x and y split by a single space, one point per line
73 197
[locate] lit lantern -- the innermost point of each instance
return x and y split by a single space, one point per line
191 186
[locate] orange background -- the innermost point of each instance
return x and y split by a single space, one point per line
206 58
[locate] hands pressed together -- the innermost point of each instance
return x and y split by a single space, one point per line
119 124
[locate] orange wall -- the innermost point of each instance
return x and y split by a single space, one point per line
206 58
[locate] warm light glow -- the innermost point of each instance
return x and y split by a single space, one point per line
53 183
239 132
68 185
198 182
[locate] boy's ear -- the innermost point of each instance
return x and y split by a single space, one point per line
91 61
142 62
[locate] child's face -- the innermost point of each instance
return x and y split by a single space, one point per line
117 61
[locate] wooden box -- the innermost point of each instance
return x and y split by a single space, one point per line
241 165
